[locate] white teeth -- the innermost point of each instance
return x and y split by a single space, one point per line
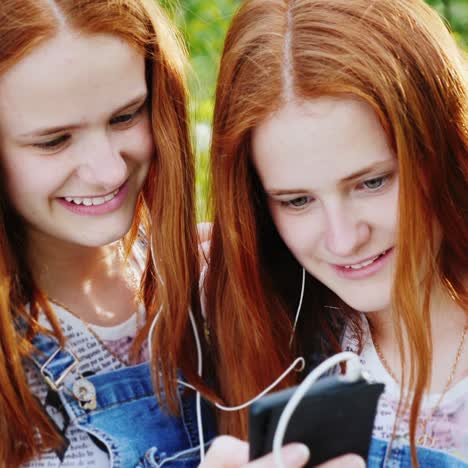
363 264
357 266
92 201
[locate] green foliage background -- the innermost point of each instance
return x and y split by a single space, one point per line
203 24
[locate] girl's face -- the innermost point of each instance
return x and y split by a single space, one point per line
331 183
75 138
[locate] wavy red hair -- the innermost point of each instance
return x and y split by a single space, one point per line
166 207
397 56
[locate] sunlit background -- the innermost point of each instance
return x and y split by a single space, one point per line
203 24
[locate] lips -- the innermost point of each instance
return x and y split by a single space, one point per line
99 205
88 201
364 263
364 268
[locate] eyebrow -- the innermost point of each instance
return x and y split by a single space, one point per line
366 170
346 180
52 130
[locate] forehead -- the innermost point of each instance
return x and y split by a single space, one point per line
68 77
307 143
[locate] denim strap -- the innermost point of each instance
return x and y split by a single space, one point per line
53 361
54 364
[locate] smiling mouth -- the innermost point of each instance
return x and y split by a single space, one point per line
92 201
366 263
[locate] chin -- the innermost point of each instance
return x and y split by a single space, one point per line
98 242
106 239
369 304
102 237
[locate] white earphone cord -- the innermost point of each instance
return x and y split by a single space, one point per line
353 372
293 366
299 306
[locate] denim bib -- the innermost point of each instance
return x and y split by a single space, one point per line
126 416
400 457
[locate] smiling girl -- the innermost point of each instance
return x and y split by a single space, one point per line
339 161
97 234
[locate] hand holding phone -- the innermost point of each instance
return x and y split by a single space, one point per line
334 418
229 452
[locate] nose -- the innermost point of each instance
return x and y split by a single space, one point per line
102 163
346 231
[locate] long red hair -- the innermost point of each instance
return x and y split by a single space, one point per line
166 207
396 55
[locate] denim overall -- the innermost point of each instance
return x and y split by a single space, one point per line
125 415
400 457
379 455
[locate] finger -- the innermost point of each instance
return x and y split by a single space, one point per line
226 452
349 461
293 455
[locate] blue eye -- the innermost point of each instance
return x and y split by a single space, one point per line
53 144
375 183
297 203
127 118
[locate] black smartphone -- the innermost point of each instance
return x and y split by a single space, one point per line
335 417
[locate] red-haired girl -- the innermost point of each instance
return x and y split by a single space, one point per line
97 234
340 156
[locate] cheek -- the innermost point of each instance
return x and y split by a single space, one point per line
29 179
143 142
385 213
393 210
295 230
